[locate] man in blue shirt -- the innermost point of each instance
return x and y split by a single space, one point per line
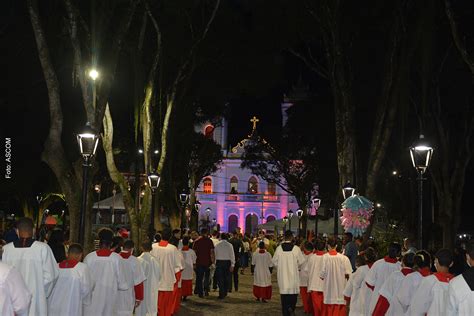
350 249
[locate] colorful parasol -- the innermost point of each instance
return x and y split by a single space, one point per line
356 213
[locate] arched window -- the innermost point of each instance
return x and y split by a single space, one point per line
271 188
233 221
207 185
251 223
270 218
234 184
209 132
253 185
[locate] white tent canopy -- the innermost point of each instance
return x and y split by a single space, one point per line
324 226
115 202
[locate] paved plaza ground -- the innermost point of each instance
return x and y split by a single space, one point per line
236 303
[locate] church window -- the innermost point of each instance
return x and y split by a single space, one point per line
234 183
207 185
253 185
271 188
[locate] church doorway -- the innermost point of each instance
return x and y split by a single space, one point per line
251 222
270 218
233 222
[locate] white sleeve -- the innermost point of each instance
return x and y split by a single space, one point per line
269 260
87 285
404 293
254 259
349 286
138 274
452 304
50 270
193 256
347 266
323 268
276 256
122 284
301 258
371 276
20 295
422 298
232 256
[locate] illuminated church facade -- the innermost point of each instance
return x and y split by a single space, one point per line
236 196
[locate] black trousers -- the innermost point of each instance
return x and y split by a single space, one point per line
235 275
202 279
223 277
288 304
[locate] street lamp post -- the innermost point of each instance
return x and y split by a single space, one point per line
290 215
299 214
87 141
208 213
197 207
421 154
348 190
154 181
316 203
183 198
285 220
188 217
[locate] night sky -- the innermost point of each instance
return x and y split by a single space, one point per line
250 68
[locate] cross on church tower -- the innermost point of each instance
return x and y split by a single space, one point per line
254 121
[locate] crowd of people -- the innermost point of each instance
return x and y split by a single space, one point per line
38 278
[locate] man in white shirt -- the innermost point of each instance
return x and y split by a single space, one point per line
225 262
335 272
288 259
107 272
14 296
170 264
35 261
461 289
128 300
74 285
151 268
212 269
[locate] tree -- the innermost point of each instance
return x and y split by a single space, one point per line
291 164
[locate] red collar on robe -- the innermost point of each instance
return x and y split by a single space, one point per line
443 276
125 254
390 260
332 252
406 271
306 252
185 248
261 251
67 264
370 265
319 252
104 252
424 271
163 243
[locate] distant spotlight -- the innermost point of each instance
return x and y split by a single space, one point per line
378 205
140 151
394 172
464 235
93 74
156 151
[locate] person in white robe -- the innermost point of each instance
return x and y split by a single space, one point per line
262 277
74 286
189 265
461 289
14 296
335 272
355 293
387 304
379 272
107 271
410 284
35 261
151 268
315 283
288 259
431 296
131 298
170 264
305 297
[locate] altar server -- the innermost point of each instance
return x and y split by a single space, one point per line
131 298
387 303
107 272
189 265
74 286
410 284
262 277
288 259
170 264
430 297
35 261
380 271
315 283
14 296
305 297
151 268
461 289
335 272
